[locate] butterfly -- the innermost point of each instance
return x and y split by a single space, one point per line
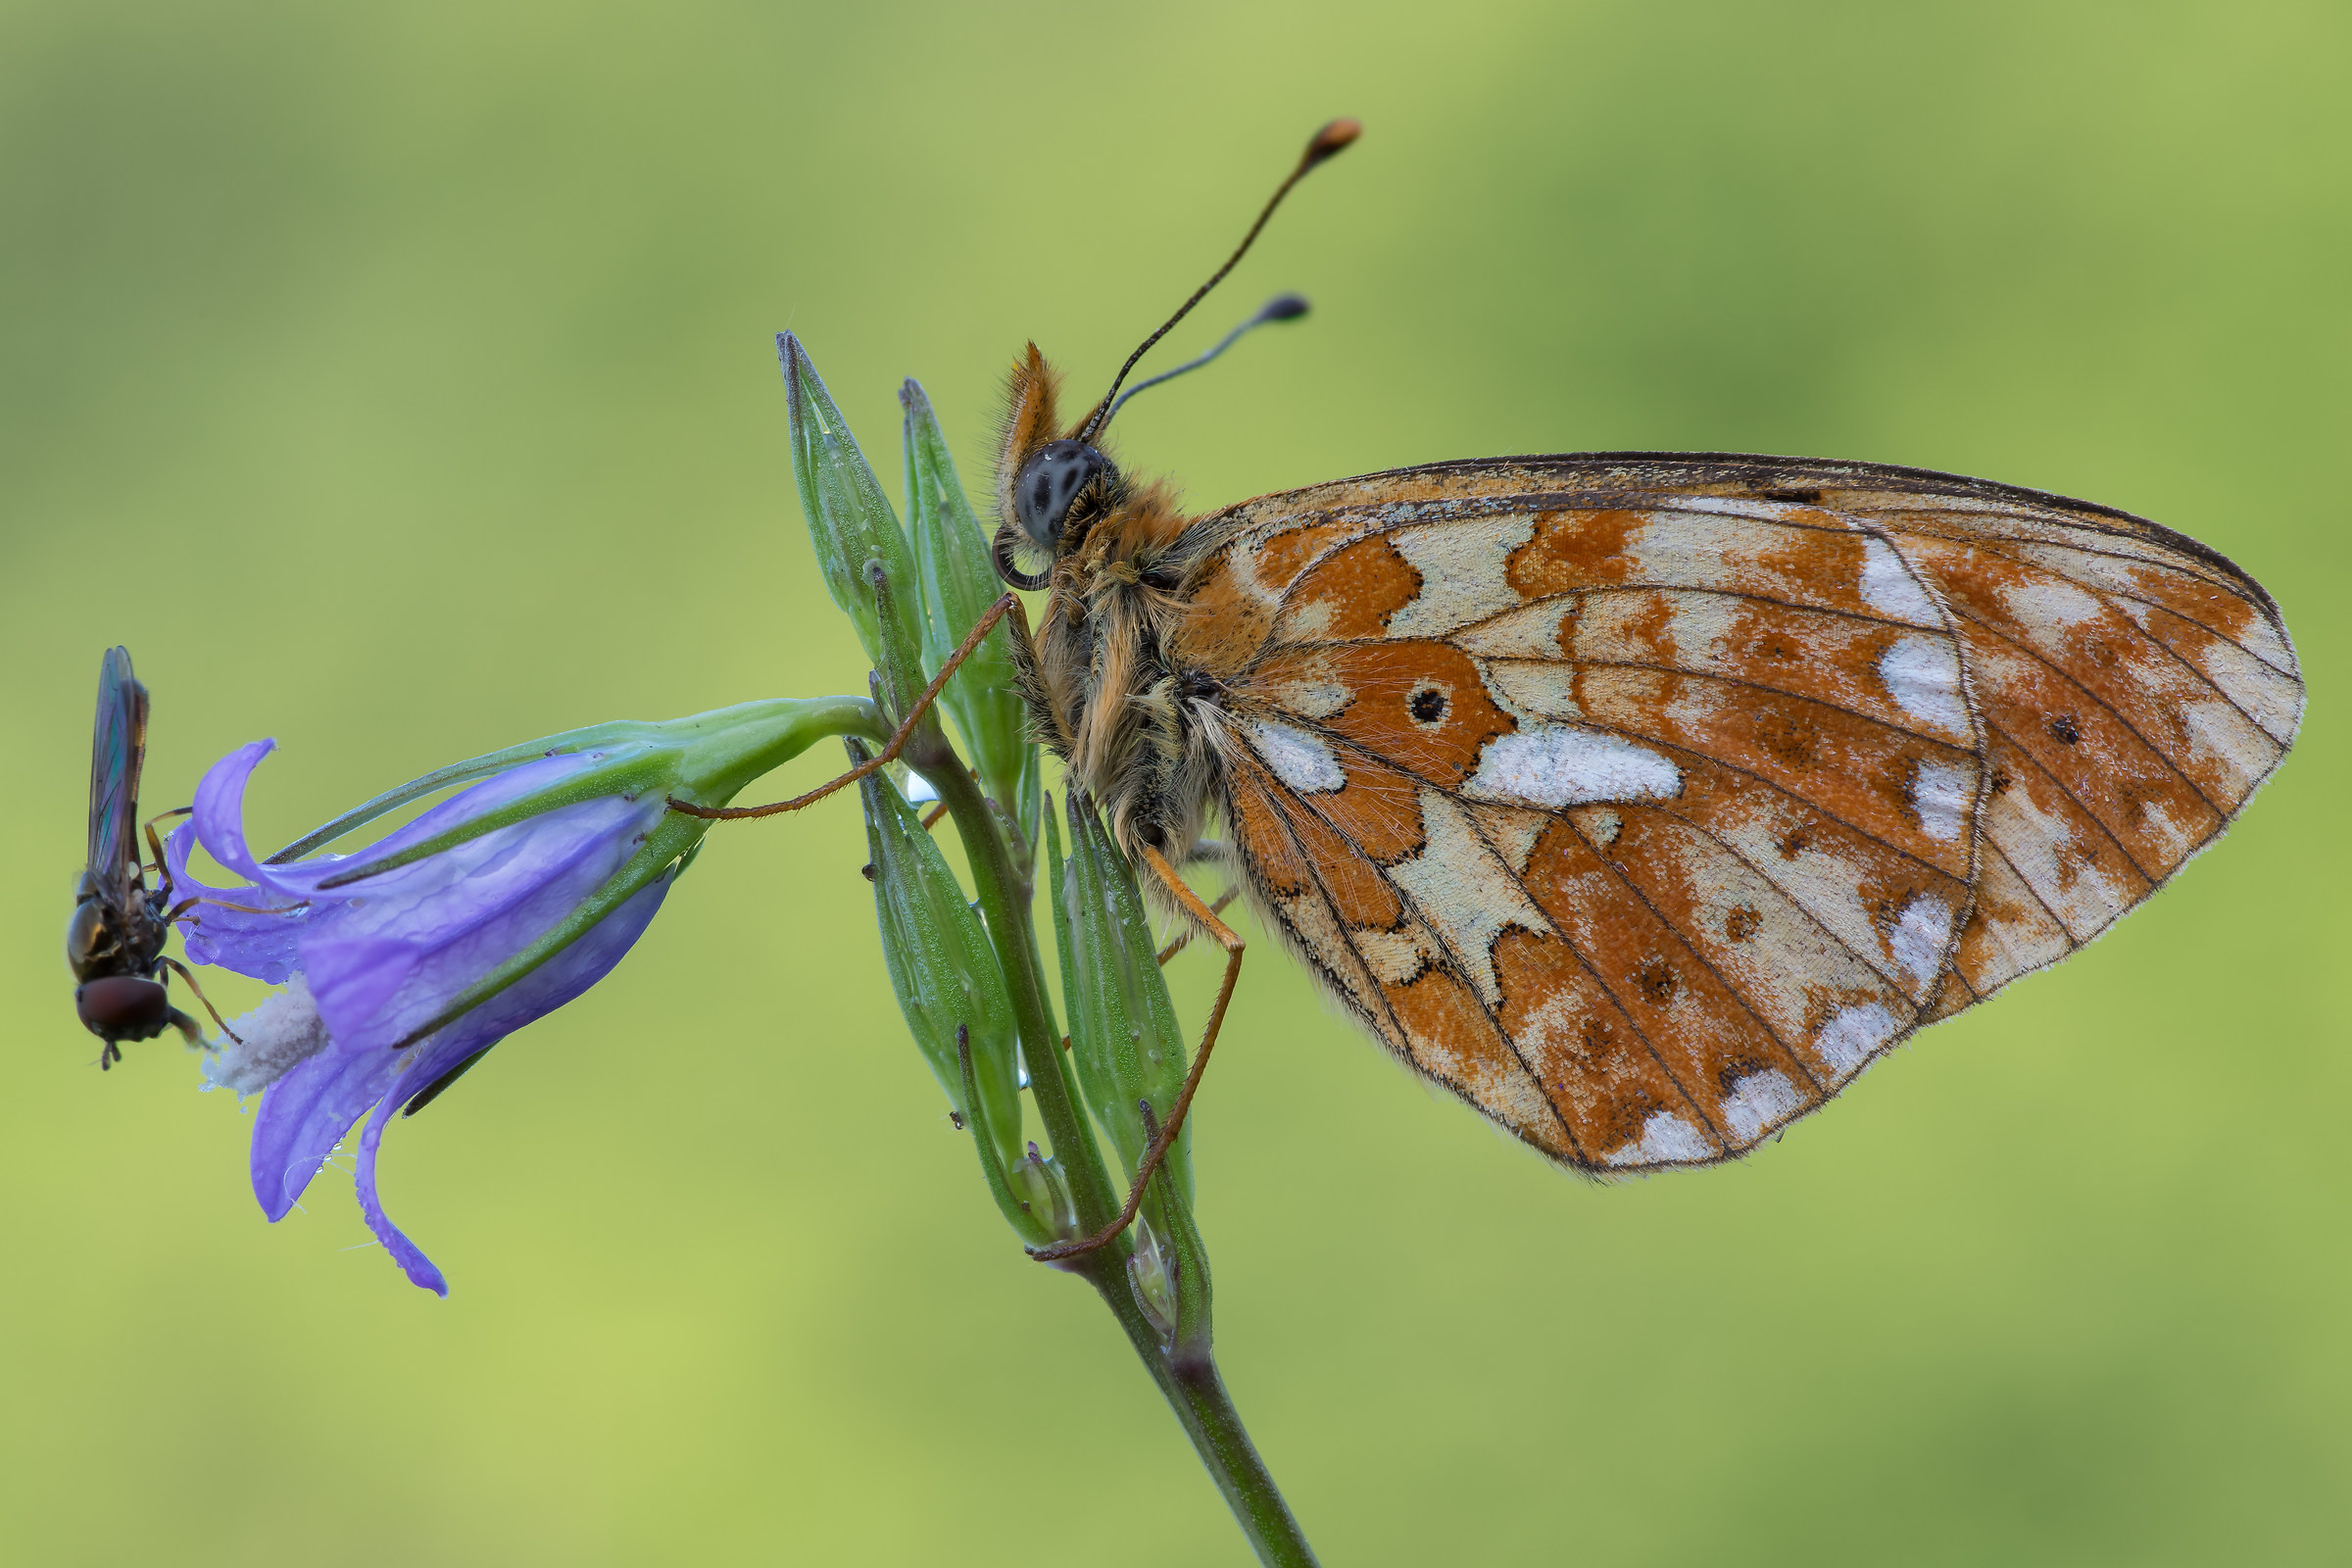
1641 800
114 939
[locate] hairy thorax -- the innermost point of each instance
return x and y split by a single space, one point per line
1138 725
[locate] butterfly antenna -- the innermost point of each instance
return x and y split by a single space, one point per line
1327 142
1281 307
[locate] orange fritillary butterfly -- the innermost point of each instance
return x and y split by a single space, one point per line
1641 800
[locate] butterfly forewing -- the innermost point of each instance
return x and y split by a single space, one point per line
117 752
1643 799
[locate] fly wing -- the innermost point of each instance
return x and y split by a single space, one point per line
118 751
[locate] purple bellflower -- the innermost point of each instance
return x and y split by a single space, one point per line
404 962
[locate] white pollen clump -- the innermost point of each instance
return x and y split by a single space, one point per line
1561 765
1848 1040
1666 1139
1888 587
1923 676
1941 794
1299 759
1759 1101
1920 934
272 1039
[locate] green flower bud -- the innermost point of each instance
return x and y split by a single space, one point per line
1131 1059
1041 1187
945 974
1124 1037
850 522
1152 1273
958 586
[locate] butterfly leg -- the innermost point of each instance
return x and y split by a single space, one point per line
1148 1166
188 1025
1009 604
1185 935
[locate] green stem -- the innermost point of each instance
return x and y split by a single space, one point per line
1205 1411
1193 1389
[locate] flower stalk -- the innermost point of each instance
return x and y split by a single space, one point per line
1126 1056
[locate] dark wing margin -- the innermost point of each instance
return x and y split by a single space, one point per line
117 752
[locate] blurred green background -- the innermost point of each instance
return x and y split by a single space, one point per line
397 381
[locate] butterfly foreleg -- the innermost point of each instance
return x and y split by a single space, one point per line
1009 604
187 1024
1165 1138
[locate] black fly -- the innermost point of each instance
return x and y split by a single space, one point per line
115 942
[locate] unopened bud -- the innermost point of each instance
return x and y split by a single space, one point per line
1152 1271
1043 1190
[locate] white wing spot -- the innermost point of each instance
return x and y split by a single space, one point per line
1888 587
1666 1139
2050 603
1759 1101
1600 824
1299 759
1465 892
1556 765
1940 793
1394 958
1920 934
1461 566
1848 1039
1923 676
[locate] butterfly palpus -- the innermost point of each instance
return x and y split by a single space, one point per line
115 941
1641 800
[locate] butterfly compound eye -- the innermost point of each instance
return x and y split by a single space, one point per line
1049 483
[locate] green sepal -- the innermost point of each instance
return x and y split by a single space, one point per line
617 733
959 585
849 519
704 758
945 974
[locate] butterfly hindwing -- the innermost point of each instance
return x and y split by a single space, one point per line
1643 799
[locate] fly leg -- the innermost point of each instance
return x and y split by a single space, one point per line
187 1024
155 845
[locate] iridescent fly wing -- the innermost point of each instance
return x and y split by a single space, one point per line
1643 799
118 751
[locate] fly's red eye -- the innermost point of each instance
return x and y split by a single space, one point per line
123 1007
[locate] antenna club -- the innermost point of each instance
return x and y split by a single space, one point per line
1332 138
1282 307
